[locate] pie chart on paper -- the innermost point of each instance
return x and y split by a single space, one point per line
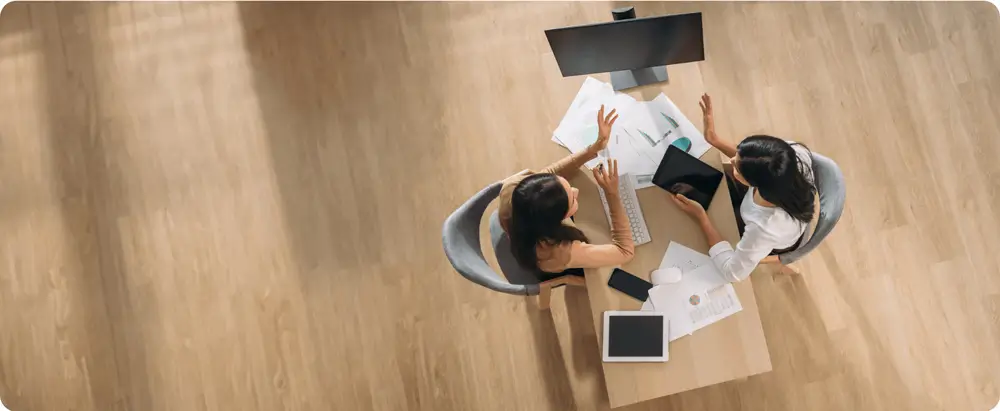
682 143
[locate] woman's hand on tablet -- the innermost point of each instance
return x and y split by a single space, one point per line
689 206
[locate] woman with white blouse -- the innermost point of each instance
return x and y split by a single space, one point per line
778 205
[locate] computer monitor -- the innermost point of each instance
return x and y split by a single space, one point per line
635 51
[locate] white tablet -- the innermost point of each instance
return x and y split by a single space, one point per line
635 336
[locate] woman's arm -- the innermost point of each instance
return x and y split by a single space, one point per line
573 162
737 264
727 148
711 234
697 212
622 247
708 118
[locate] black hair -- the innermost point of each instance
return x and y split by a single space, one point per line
538 206
772 166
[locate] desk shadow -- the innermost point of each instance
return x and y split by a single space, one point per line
550 358
572 365
586 353
107 322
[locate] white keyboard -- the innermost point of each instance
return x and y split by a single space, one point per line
626 189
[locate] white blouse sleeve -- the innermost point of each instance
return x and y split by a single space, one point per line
736 265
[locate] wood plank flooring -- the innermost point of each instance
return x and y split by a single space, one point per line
225 206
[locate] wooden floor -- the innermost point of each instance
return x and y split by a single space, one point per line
219 206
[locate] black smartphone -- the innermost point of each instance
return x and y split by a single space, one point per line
628 283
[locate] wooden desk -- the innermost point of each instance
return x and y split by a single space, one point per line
730 349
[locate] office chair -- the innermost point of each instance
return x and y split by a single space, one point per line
517 274
832 195
463 249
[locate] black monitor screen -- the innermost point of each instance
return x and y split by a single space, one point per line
635 336
628 44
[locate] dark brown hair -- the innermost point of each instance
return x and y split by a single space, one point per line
772 166
538 206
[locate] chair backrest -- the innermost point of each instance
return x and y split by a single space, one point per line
463 248
832 195
514 271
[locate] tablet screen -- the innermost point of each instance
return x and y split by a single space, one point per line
635 336
682 173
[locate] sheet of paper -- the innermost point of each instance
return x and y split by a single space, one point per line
643 181
578 139
557 141
682 257
646 120
633 152
578 128
700 299
703 278
681 128
715 304
709 297
665 299
583 110
639 138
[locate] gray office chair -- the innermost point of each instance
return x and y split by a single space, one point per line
517 274
464 251
832 195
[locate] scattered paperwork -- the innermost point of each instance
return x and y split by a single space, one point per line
639 138
701 298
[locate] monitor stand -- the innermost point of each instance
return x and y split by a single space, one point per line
625 79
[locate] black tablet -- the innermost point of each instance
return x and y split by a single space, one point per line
682 173
635 336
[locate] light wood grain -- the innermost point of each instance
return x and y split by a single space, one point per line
221 206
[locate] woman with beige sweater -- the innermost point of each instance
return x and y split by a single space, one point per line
535 211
